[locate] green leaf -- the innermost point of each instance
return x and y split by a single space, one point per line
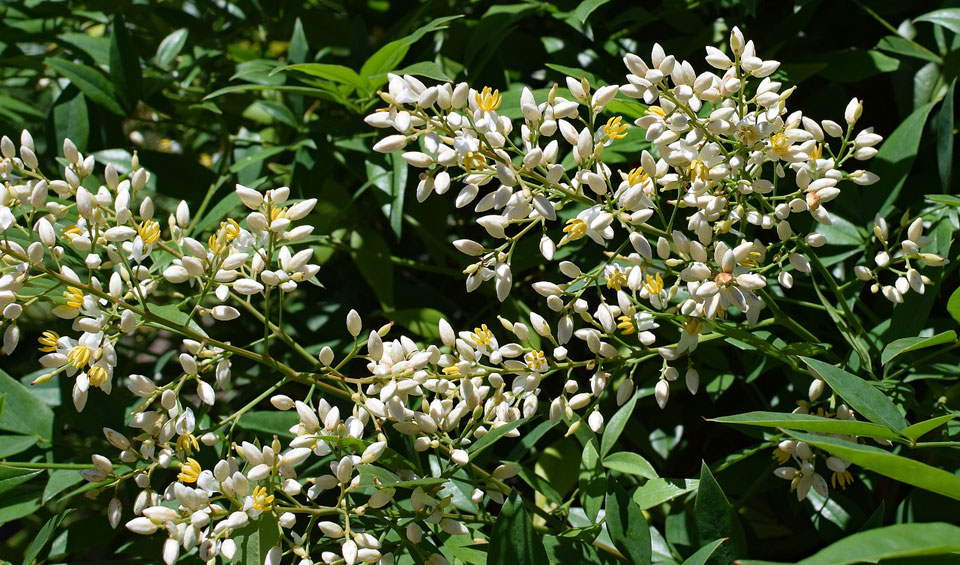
398 189
715 518
171 46
945 138
43 536
917 430
657 491
269 421
616 424
626 525
860 395
901 46
125 70
513 539
704 553
908 344
895 159
70 117
422 321
90 81
23 412
493 435
592 481
427 69
885 463
953 305
630 463
173 314
389 56
11 478
948 18
299 49
11 445
387 479
948 199
587 7
890 542
335 73
256 538
809 423
59 481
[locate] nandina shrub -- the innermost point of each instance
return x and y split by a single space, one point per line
678 214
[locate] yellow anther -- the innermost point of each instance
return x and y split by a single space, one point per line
261 500
488 100
149 231
637 176
97 375
780 143
189 471
698 170
482 335
48 340
473 161
626 326
535 360
616 279
79 355
656 110
615 129
693 326
452 371
575 229
187 444
74 297
817 152
654 284
842 478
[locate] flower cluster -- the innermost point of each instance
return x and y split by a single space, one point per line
711 224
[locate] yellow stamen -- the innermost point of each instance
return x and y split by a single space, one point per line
698 170
780 144
693 326
780 455
149 231
97 375
654 285
189 471
817 152
626 326
261 500
74 297
474 161
187 444
452 371
482 335
488 100
79 355
656 110
614 129
536 361
637 176
49 341
616 279
843 478
575 229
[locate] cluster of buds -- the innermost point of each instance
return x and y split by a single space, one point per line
902 262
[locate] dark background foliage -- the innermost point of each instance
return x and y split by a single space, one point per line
199 89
